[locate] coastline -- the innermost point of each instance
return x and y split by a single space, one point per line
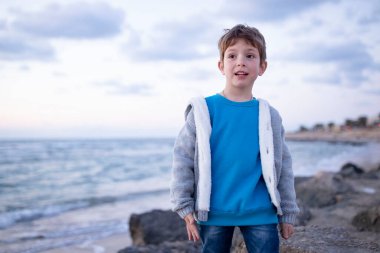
354 136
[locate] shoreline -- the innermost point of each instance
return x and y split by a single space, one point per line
354 136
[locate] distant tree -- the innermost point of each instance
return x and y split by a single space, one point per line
362 121
303 129
318 127
331 125
349 123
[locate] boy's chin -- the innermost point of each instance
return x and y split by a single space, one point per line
242 85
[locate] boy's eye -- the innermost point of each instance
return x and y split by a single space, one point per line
250 56
231 56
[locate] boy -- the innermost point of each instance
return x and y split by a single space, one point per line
240 173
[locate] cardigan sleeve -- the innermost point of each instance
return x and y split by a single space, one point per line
182 187
286 185
284 171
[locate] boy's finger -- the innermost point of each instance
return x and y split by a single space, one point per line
193 230
189 233
197 233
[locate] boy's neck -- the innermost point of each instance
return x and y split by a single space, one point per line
237 95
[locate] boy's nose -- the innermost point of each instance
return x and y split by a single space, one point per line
240 61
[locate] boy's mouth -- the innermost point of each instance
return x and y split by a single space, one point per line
241 73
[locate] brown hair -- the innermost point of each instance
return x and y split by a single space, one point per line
249 34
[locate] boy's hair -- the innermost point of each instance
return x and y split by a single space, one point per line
249 34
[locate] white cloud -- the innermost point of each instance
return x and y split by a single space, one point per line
269 10
16 48
76 20
118 88
350 61
24 34
190 39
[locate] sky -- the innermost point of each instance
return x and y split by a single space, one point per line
115 69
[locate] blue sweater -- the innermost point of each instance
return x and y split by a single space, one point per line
238 195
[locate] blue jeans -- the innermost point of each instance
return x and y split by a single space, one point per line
259 238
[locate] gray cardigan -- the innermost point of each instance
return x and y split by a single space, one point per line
191 171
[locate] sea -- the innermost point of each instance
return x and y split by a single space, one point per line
57 193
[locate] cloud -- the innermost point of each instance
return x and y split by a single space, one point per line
197 73
176 41
20 48
23 37
118 88
77 21
350 60
269 10
3 24
372 17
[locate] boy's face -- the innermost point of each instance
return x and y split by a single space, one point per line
241 65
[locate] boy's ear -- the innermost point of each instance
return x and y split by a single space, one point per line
221 66
263 67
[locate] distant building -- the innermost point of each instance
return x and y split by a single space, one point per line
374 121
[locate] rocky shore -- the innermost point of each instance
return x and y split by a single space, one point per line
349 136
340 213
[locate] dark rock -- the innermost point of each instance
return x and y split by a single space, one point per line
166 247
373 174
368 220
156 227
305 214
351 170
314 239
322 189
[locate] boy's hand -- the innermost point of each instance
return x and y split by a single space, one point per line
191 227
286 230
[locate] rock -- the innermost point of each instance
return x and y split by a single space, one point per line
322 189
314 239
156 227
351 170
165 247
373 174
368 220
305 214
238 245
299 180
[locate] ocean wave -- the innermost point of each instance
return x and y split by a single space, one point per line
10 218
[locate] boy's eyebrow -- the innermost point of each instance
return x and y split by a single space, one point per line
253 49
